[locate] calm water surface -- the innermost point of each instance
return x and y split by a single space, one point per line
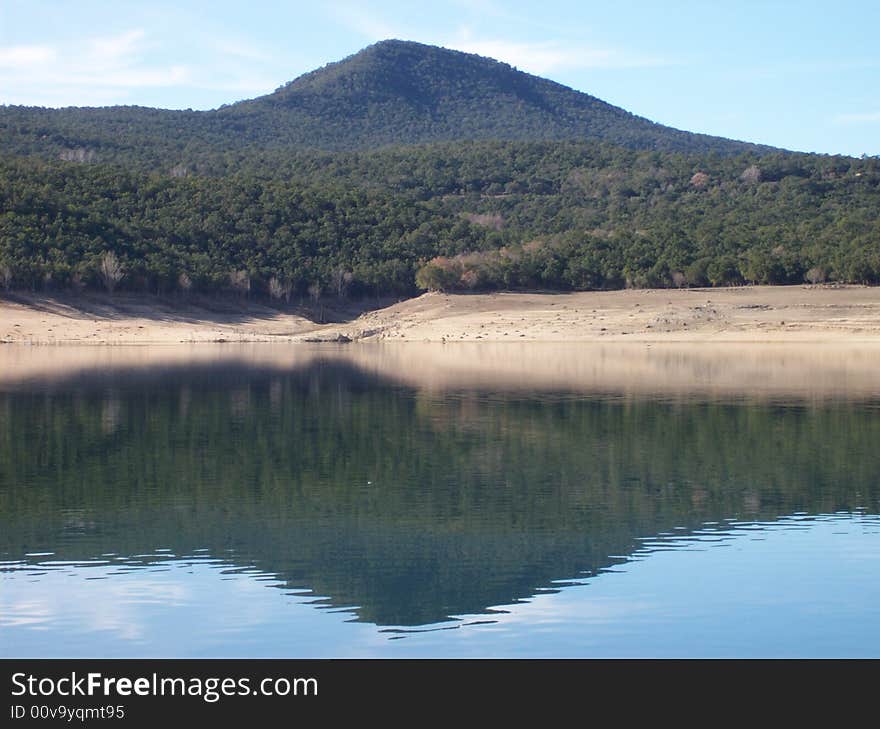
347 503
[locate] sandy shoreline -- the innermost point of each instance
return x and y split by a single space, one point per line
759 314
753 313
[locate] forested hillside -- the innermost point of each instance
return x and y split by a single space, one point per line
569 192
481 215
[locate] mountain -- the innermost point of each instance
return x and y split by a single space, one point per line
391 93
402 92
408 167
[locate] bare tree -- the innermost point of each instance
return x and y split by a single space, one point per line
315 291
699 180
111 271
341 280
184 282
6 277
279 289
679 280
80 154
240 282
751 175
470 279
816 275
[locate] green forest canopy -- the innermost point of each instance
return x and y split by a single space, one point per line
474 215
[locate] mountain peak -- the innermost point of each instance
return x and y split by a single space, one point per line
422 68
403 92
394 92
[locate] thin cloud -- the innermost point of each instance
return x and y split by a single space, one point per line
869 117
483 7
540 57
120 47
366 24
240 50
23 57
96 71
253 85
549 56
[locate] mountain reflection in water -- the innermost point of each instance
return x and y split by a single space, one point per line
404 506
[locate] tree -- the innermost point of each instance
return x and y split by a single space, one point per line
699 180
111 271
184 282
751 175
438 274
240 282
695 274
315 290
724 271
280 290
341 280
6 276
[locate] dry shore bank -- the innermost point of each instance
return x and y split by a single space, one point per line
750 313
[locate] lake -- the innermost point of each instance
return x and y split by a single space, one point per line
439 500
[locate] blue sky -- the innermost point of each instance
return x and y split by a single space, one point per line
802 75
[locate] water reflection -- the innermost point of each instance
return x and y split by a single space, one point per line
713 594
793 370
336 487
